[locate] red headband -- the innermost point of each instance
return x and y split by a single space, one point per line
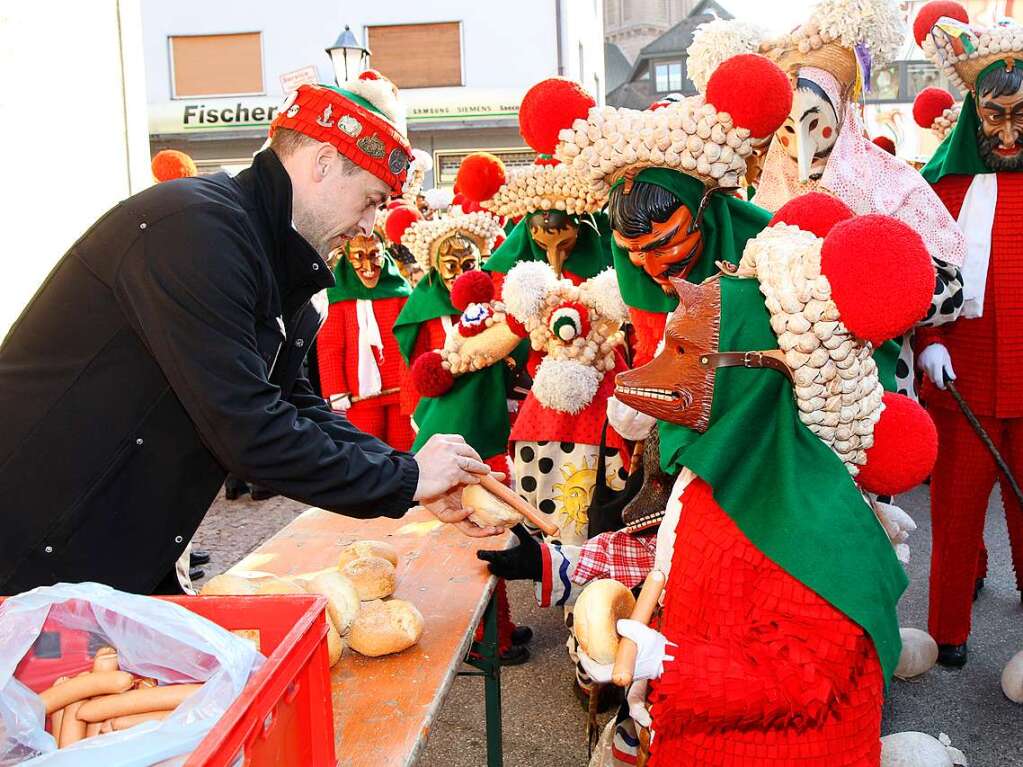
361 135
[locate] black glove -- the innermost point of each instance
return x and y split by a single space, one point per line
520 563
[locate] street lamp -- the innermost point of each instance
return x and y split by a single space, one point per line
347 55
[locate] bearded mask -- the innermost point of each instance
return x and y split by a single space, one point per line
1000 109
810 131
456 255
365 254
556 233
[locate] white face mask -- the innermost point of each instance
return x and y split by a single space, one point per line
810 131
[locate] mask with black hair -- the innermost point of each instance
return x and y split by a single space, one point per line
810 131
999 101
659 232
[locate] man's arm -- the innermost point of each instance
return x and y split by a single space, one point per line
335 425
192 297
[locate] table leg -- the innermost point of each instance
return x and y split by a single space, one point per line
487 660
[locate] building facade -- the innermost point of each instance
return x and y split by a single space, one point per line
216 72
632 24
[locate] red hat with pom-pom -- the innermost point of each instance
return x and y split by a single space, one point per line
169 164
815 212
398 220
904 450
929 14
881 276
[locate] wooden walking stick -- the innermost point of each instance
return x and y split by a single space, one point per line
625 658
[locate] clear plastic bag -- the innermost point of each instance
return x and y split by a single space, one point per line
153 638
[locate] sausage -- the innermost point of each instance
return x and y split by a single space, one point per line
92 729
124 722
72 729
87 685
137 702
57 715
105 660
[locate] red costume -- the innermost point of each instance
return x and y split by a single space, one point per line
431 336
338 344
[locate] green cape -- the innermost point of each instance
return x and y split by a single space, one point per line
348 286
728 223
958 154
475 407
429 299
785 489
590 256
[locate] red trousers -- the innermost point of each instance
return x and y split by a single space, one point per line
383 421
961 485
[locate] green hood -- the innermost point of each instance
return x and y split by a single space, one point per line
590 256
958 154
785 489
348 286
429 299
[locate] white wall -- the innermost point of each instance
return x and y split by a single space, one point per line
73 127
504 44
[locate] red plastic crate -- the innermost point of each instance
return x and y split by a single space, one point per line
284 715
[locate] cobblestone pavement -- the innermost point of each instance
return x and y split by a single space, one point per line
544 723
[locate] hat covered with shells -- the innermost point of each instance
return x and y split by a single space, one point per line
961 50
547 107
424 236
819 276
704 136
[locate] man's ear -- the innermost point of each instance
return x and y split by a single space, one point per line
322 160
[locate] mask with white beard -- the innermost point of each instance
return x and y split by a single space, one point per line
810 131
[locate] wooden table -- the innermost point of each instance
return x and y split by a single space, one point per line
384 707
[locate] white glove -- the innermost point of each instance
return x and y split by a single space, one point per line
636 698
340 403
936 364
629 422
650 656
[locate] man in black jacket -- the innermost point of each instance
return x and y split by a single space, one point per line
165 349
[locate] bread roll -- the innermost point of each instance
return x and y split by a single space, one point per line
275 585
335 644
373 577
361 549
596 615
488 510
382 628
343 600
227 584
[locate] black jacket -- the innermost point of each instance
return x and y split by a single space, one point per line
162 351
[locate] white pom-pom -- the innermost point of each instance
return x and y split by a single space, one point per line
715 42
565 385
438 198
381 94
526 288
602 293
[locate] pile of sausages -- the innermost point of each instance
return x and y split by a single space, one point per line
107 699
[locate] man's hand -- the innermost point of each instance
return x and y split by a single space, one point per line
448 508
445 463
519 563
936 364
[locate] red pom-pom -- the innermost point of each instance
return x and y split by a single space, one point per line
881 276
885 143
930 13
398 220
753 90
905 448
429 376
371 74
169 164
515 326
473 287
480 175
813 212
929 105
549 106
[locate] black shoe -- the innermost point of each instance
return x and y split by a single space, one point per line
196 573
234 488
515 655
198 558
977 586
521 635
260 493
952 655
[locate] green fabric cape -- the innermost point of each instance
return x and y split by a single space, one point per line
785 489
958 154
428 300
590 256
727 223
348 286
475 407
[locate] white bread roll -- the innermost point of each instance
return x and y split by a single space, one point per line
335 644
373 577
488 509
596 615
342 597
383 628
228 584
275 585
361 549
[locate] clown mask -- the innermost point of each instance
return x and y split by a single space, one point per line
456 255
365 254
810 131
555 232
670 249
